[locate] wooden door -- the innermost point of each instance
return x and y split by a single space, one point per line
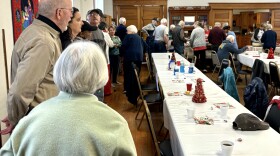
131 14
223 16
275 21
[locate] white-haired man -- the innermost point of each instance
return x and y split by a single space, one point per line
121 28
33 58
227 47
178 37
161 36
74 122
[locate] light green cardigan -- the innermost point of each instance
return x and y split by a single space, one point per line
71 124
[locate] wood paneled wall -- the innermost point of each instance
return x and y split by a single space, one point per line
218 8
275 21
140 12
223 16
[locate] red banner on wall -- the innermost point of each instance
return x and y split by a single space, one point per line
23 14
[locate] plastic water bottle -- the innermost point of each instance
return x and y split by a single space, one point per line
182 67
176 69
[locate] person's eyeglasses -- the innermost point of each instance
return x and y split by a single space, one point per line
70 9
93 14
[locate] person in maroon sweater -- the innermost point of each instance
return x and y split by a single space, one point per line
216 36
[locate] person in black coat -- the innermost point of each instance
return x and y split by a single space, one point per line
134 47
269 38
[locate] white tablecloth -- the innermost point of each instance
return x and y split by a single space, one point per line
189 138
248 58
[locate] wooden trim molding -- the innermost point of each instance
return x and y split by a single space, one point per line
244 5
139 2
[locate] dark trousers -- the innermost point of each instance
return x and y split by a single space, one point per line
215 47
179 49
129 72
114 67
159 46
200 59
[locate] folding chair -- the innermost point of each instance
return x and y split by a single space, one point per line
150 68
272 115
274 77
237 73
151 97
215 61
191 59
162 148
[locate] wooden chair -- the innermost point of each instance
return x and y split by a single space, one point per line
162 148
151 97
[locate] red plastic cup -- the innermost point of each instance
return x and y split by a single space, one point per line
178 63
189 87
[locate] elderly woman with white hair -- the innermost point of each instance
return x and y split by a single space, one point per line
134 47
227 47
74 122
269 38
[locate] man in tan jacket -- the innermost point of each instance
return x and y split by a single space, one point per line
33 58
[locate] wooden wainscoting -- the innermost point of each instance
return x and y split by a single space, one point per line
223 16
275 21
139 13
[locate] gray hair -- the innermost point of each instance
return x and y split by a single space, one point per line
47 7
172 26
181 23
230 38
81 68
269 27
163 21
122 20
132 28
217 24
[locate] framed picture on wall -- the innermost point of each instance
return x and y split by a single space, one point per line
23 14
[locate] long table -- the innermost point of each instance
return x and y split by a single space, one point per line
191 139
248 58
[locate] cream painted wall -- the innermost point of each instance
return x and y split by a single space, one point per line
6 24
108 7
83 6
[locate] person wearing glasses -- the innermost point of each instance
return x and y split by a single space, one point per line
74 122
94 18
33 58
73 28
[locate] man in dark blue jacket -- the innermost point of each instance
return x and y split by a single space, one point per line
227 47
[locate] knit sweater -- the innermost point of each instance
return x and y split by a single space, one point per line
197 38
71 124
